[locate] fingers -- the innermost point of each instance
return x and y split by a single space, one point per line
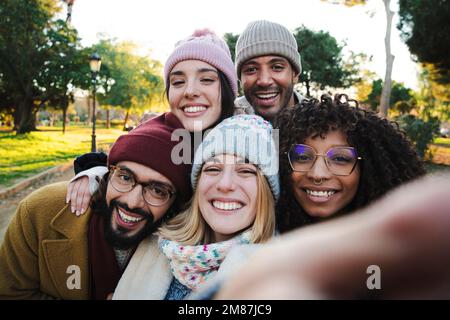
405 235
69 191
83 196
75 194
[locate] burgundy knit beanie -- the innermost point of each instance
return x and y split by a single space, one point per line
150 144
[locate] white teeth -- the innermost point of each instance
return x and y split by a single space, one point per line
320 193
227 205
194 109
267 96
128 218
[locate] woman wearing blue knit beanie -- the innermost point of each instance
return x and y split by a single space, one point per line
236 186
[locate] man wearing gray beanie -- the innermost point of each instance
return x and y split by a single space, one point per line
268 65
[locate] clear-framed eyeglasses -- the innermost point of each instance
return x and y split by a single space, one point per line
341 161
155 193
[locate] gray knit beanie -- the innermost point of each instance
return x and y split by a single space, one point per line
246 136
262 38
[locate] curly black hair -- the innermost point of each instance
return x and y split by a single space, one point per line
388 156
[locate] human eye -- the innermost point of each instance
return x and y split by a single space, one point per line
303 157
176 82
247 172
124 177
211 169
341 157
158 191
278 67
207 80
249 69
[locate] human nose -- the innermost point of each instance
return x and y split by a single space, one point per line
319 170
191 90
135 198
226 181
264 78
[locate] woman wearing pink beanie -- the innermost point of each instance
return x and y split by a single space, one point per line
201 82
201 86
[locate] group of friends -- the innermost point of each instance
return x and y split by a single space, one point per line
160 221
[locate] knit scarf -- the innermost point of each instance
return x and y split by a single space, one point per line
193 265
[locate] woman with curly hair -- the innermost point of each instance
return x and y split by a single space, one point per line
336 158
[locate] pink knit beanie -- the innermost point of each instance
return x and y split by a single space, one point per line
204 45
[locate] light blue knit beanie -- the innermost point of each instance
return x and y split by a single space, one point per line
246 136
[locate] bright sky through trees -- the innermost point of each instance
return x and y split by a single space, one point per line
158 25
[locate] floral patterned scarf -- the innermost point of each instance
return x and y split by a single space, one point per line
193 265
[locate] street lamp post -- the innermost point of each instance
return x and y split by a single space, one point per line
95 63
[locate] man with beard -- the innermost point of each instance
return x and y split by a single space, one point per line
268 65
48 252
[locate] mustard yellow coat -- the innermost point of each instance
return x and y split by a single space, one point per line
45 250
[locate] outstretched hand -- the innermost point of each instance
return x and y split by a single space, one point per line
400 243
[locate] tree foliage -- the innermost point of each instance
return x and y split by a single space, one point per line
322 61
127 80
433 98
231 39
425 28
399 93
38 57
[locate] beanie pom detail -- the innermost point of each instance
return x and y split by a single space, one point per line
203 32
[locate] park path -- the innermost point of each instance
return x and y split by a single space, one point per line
9 206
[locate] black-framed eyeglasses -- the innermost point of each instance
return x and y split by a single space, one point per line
155 193
341 161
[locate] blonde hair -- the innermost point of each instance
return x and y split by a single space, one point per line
190 228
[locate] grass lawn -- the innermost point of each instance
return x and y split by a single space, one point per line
26 155
441 151
443 142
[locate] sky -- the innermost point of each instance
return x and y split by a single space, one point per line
157 25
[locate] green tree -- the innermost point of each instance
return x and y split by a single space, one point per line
433 97
126 79
35 52
231 39
425 28
322 60
68 68
399 93
22 39
386 91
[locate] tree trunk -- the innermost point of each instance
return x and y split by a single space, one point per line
307 88
34 119
26 117
108 124
65 104
26 112
16 118
386 92
126 119
64 120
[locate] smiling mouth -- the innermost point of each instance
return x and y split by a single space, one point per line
126 219
322 194
227 206
194 109
267 96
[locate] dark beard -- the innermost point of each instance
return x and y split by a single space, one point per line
284 101
118 238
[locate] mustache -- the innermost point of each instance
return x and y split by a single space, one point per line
146 215
259 89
